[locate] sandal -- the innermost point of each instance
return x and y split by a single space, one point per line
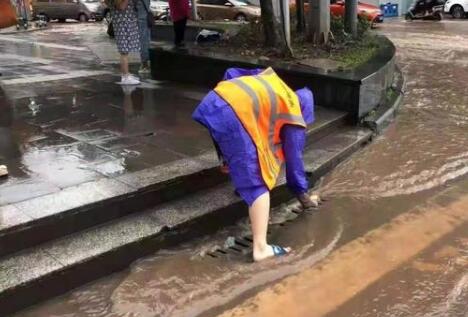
279 251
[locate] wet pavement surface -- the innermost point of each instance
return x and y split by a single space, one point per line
66 122
421 155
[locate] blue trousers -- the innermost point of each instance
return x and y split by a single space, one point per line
145 32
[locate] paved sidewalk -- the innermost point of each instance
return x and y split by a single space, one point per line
65 122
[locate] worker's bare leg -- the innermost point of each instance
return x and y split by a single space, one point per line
259 214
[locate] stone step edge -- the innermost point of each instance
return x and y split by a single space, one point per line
76 274
203 174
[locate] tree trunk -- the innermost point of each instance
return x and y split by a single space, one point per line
300 16
351 17
194 10
319 21
273 30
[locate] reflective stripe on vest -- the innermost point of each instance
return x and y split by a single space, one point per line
263 103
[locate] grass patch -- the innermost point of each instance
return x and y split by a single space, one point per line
347 51
356 54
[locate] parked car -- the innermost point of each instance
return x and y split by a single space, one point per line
159 7
337 8
81 10
457 8
237 10
366 11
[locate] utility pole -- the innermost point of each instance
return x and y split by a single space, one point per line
351 16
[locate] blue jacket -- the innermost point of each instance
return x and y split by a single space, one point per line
238 149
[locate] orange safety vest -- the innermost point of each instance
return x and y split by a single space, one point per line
263 103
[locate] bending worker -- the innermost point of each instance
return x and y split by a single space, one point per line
257 122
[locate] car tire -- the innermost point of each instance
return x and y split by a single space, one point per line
240 18
408 17
82 17
438 16
62 20
457 12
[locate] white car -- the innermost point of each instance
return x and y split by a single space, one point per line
457 8
159 7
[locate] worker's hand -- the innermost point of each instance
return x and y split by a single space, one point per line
315 198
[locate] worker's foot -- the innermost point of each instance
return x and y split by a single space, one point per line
269 251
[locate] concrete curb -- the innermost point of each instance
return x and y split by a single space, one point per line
385 114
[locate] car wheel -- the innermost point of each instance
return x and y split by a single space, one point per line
62 20
408 17
438 16
458 12
82 18
240 18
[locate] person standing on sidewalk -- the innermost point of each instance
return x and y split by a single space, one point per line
145 34
179 10
127 36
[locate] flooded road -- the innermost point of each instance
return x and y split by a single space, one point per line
413 173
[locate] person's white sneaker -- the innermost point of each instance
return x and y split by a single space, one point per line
129 80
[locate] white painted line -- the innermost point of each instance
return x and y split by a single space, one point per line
46 44
42 78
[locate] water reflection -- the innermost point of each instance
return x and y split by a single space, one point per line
33 106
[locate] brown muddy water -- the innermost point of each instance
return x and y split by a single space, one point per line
424 152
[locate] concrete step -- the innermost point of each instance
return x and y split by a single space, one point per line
76 208
57 266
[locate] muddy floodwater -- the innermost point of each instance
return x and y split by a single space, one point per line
424 152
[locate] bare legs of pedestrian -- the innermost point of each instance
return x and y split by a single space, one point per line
124 64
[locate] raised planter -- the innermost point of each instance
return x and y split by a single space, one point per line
357 91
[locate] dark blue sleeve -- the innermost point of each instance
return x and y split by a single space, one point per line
293 138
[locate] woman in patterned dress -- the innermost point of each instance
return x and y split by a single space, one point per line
125 23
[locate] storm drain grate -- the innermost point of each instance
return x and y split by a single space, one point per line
240 246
